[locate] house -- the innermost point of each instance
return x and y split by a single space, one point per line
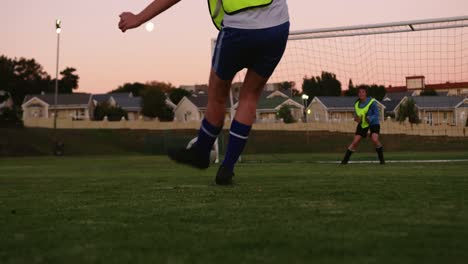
126 101
438 110
391 101
417 84
270 103
5 100
193 108
75 106
335 109
131 105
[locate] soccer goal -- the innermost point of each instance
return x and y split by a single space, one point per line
404 64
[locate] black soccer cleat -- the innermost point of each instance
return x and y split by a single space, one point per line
191 157
224 176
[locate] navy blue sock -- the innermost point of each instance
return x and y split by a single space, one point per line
206 137
238 136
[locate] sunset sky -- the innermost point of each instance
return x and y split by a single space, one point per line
178 50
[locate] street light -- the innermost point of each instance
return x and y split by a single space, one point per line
305 99
58 30
58 146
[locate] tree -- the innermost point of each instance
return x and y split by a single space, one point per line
376 91
69 80
177 94
21 77
154 104
135 88
10 117
163 86
352 91
324 85
113 113
429 92
408 110
285 114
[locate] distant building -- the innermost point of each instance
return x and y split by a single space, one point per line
270 103
126 101
417 84
439 110
391 101
193 108
76 106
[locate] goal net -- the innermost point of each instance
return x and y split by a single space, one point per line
404 65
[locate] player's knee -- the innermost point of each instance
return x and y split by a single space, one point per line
375 140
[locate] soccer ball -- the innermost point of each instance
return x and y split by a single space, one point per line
213 153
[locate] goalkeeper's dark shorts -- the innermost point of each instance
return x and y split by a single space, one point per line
374 129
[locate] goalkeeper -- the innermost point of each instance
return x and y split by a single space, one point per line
367 117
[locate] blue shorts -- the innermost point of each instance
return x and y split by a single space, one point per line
256 49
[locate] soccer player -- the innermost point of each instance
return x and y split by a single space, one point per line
253 35
367 117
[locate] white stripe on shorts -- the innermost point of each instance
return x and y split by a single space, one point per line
218 51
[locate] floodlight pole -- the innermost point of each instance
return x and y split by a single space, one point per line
58 30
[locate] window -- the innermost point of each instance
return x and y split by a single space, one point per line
429 118
316 116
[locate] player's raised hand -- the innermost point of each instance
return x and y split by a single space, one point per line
128 21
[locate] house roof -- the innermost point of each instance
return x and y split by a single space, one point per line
391 105
431 102
270 103
397 96
442 86
128 103
270 100
105 97
337 101
62 99
396 89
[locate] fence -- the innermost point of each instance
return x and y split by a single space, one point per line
387 127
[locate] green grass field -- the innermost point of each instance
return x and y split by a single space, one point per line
282 209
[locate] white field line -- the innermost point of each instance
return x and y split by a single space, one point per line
396 161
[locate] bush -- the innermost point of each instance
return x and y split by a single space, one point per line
408 110
10 117
285 114
113 113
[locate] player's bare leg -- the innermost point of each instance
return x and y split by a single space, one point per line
245 116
